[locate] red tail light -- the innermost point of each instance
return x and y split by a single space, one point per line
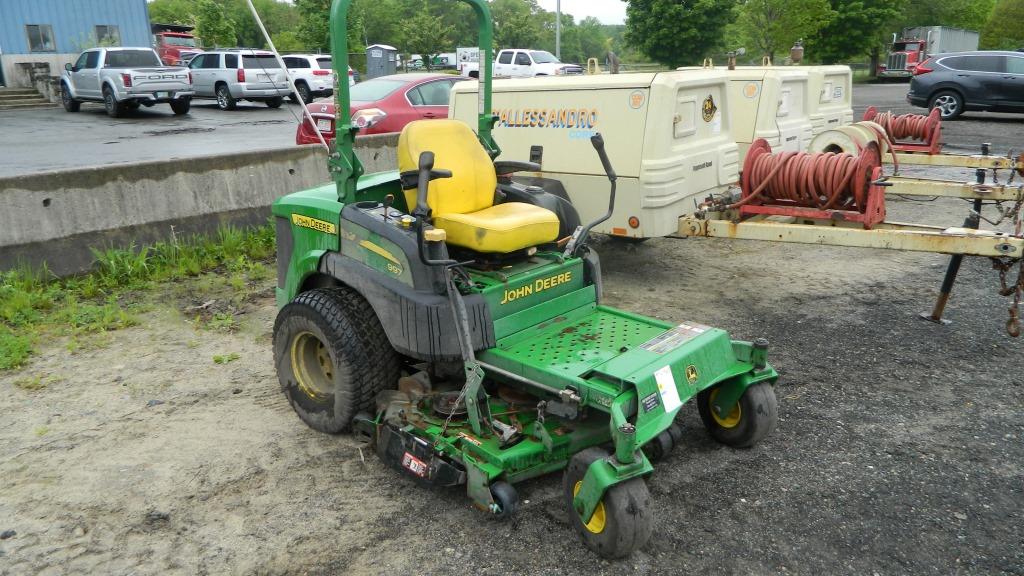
127 79
351 73
190 77
241 75
924 67
321 72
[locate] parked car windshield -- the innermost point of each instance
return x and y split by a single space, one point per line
543 57
179 41
257 62
131 59
375 89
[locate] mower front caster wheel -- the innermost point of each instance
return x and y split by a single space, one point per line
623 520
751 420
505 498
332 357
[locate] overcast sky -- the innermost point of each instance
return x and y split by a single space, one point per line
607 11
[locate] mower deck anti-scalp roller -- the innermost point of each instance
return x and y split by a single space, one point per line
454 320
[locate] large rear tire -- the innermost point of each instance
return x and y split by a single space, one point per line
623 520
332 357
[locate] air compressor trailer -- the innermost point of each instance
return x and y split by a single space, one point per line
673 141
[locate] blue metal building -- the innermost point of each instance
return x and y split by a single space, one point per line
54 32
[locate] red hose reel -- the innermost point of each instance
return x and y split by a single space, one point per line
925 131
828 185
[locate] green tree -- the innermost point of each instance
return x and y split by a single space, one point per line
172 12
676 32
287 41
517 23
212 25
427 35
314 28
853 30
769 27
1004 29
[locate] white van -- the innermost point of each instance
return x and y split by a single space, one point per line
667 136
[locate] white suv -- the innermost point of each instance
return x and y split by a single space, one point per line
232 75
313 75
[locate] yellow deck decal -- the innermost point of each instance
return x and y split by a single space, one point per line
379 251
314 224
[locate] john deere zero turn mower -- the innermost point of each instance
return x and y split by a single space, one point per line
452 317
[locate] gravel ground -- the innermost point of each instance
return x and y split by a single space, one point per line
899 448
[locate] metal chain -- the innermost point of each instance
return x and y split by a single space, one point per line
1016 290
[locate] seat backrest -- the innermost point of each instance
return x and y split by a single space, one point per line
456 148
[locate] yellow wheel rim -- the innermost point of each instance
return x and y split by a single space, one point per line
597 521
732 420
312 366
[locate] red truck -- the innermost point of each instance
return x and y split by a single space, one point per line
175 44
918 43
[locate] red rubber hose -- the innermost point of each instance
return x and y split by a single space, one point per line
824 181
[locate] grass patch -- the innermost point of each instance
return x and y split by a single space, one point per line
225 358
33 383
34 303
14 349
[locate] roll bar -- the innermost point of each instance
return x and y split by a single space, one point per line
343 165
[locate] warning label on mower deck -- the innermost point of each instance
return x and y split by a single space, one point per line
674 337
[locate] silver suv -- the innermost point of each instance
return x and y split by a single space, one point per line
232 75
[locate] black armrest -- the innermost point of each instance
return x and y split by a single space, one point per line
409 179
505 167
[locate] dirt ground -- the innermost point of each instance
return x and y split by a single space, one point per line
899 448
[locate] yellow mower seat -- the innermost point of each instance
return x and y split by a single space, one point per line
463 205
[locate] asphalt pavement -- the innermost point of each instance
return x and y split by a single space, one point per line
52 139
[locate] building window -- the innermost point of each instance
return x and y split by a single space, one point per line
107 35
40 38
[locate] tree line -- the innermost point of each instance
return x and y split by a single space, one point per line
669 32
678 32
413 26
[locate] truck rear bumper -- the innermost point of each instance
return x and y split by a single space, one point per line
159 96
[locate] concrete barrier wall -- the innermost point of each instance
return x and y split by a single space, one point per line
56 217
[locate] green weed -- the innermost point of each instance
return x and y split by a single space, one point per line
14 349
225 358
34 383
33 301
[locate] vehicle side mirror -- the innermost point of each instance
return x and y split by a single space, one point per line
69 67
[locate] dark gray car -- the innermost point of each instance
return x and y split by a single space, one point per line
959 81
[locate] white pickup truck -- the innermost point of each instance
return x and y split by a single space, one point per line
125 78
519 63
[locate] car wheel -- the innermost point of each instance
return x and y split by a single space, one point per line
114 108
949 103
70 104
301 94
225 101
181 106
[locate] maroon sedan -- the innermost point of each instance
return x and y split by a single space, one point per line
401 98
